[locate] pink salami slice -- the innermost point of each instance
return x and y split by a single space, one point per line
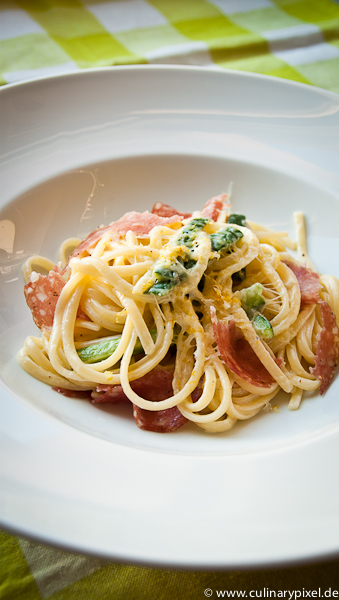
214 206
155 386
72 393
161 421
89 242
308 282
197 392
42 296
111 394
326 358
165 210
211 210
140 223
238 355
327 354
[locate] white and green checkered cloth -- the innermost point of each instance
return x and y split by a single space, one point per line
295 39
34 572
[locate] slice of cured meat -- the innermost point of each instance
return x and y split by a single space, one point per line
327 354
140 223
89 242
73 393
214 206
111 394
238 355
308 282
165 210
154 386
42 295
161 421
211 210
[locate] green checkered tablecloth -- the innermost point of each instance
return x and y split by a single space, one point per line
34 572
294 39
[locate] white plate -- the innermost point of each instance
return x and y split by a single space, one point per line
97 144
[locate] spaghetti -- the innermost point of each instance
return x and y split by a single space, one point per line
201 317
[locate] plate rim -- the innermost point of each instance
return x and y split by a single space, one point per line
169 67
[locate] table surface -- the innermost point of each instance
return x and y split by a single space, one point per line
292 39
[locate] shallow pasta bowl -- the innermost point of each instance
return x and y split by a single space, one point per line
80 150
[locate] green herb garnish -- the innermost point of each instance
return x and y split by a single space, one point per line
223 240
252 301
237 219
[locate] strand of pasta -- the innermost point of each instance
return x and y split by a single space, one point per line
287 241
331 289
305 341
131 251
157 234
299 223
271 253
163 341
189 410
280 341
184 360
296 397
73 287
246 411
135 313
297 380
255 389
32 357
113 378
176 398
137 268
99 314
224 384
286 284
32 367
95 266
67 248
40 262
294 361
